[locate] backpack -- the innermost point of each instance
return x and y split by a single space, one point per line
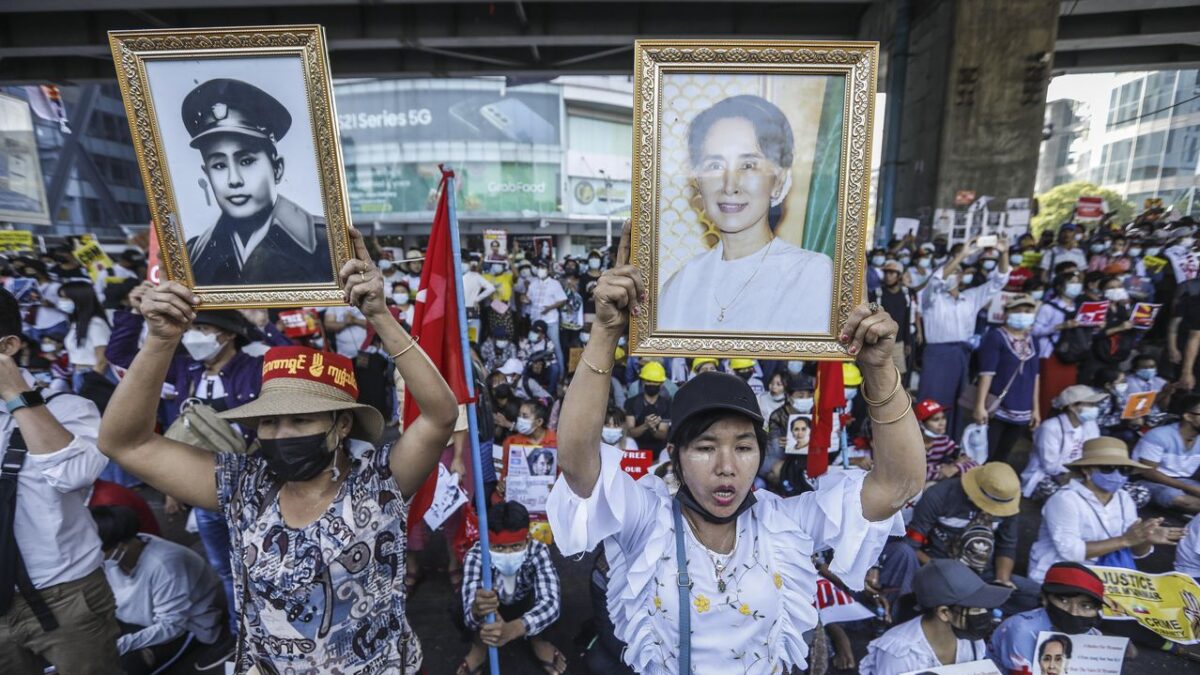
975 545
199 425
1074 344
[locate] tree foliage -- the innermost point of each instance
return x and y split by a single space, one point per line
1057 205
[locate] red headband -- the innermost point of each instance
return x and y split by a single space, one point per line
1075 578
508 537
302 363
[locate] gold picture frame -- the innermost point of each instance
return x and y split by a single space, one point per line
289 64
683 167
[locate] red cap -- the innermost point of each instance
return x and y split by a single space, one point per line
1070 578
310 365
927 408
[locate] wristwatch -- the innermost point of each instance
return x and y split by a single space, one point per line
26 399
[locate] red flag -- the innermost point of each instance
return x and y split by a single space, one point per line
830 395
436 328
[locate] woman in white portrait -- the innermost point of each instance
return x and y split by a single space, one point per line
741 152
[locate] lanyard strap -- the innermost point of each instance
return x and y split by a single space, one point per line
684 583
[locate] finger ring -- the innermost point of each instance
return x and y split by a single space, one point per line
874 307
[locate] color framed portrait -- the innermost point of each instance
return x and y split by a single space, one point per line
751 186
237 142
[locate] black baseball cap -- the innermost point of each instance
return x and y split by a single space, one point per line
227 319
713 391
949 582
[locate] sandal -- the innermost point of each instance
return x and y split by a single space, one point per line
465 668
551 666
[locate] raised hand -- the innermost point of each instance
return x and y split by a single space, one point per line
871 336
169 309
362 282
619 290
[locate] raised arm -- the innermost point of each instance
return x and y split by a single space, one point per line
127 436
584 406
899 452
420 446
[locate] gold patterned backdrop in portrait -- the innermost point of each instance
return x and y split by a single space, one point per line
684 232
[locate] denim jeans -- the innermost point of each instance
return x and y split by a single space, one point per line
214 533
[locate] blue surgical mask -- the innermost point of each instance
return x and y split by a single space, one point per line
611 435
924 263
1146 373
804 405
795 367
877 260
1038 294
905 260
524 426
1109 481
1135 252
508 564
1073 289
1022 321
1089 414
1153 251
532 337
1016 258
967 279
988 264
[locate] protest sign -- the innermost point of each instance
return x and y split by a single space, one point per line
1092 313
799 431
837 606
981 667
995 314
448 497
16 240
93 258
530 475
1168 603
1138 405
903 227
1154 264
964 197
1062 654
495 245
299 323
26 291
1184 262
1144 314
1090 208
637 463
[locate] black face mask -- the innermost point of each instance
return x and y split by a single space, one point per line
685 497
299 458
653 389
976 626
744 374
1068 623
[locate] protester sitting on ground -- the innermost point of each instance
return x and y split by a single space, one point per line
770 400
525 592
798 401
1144 376
497 349
615 433
1092 519
168 597
105 493
1059 441
1072 596
648 414
974 518
315 467
943 458
1172 452
953 626
1187 553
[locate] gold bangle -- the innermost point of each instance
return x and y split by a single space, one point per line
890 396
594 369
412 343
907 409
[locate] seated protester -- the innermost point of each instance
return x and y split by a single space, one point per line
530 429
535 342
1187 553
1059 441
1144 375
704 365
973 518
943 458
748 370
497 349
1172 452
798 400
1072 596
648 414
506 407
952 628
526 593
615 433
536 383
1092 519
167 595
770 400
512 371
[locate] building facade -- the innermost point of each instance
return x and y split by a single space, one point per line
1065 153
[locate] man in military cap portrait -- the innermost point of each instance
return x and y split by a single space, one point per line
260 237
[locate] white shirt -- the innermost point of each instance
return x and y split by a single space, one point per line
1164 446
172 590
49 316
54 530
85 354
1058 254
1072 517
1055 444
350 338
756 625
905 648
1187 553
542 294
780 288
949 319
476 288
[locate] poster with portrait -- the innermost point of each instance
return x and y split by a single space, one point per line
1061 654
751 181
529 475
22 190
799 430
237 143
495 246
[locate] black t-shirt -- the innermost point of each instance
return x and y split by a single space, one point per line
586 286
639 408
897 305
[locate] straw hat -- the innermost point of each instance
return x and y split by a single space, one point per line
995 488
300 381
1106 451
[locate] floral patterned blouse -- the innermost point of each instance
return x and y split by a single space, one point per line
749 618
328 597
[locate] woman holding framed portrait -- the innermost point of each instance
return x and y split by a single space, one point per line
317 513
718 577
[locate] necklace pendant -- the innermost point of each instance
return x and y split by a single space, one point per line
721 585
721 316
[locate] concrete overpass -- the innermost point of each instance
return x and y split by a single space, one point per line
64 41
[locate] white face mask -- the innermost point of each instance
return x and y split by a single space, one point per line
1073 289
525 273
524 426
400 298
593 263
1038 294
924 263
1121 387
777 397
542 274
967 279
803 405
66 305
988 264
501 344
1117 294
611 435
1135 252
877 260
49 347
201 346
1016 258
508 564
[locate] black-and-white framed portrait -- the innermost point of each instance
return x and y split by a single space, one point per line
236 136
751 186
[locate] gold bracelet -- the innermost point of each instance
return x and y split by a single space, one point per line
594 369
890 396
907 409
412 343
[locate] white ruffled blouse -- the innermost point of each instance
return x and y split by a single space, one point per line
756 624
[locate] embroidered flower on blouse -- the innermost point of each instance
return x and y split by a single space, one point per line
744 609
778 580
657 602
702 604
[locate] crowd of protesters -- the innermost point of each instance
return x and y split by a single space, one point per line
283 447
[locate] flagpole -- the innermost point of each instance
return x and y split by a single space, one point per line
485 554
